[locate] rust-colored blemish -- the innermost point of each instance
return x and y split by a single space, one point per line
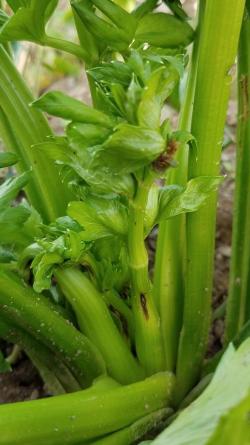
165 159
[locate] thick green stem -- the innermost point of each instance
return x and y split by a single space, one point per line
53 371
39 317
171 242
78 417
147 321
214 77
25 126
96 322
238 311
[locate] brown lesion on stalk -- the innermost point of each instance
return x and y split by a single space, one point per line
244 85
165 160
144 306
121 318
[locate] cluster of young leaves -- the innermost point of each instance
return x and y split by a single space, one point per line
102 26
106 150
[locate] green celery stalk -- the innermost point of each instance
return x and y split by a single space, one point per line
96 322
23 127
171 242
34 313
53 371
216 57
136 431
238 306
78 417
148 338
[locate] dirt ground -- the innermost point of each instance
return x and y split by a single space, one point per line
24 383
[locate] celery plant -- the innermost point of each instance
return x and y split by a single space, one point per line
75 287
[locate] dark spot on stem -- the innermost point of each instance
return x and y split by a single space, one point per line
245 95
144 306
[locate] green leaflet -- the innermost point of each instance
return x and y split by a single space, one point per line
174 200
28 21
197 424
61 105
163 30
100 217
117 32
158 87
129 148
7 159
4 365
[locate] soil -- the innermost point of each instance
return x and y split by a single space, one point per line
23 383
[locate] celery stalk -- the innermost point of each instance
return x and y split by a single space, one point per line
96 322
78 417
238 310
23 127
216 56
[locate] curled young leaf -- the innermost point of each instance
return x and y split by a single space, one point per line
158 87
69 248
129 148
163 30
117 32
